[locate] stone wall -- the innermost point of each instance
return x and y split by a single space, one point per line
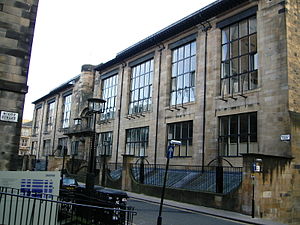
16 36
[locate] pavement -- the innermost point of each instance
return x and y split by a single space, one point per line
204 210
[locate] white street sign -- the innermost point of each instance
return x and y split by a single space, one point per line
9 116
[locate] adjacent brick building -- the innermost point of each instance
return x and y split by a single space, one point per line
16 35
224 81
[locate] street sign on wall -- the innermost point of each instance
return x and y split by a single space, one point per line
9 116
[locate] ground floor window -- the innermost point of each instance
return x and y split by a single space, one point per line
46 147
137 141
74 147
238 134
62 148
183 132
105 143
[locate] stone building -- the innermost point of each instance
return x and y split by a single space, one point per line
25 141
17 27
225 82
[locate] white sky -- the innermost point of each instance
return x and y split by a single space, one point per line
70 33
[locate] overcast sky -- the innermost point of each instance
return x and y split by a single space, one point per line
70 33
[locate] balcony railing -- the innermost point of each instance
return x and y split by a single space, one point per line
78 129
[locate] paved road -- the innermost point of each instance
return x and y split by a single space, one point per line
147 215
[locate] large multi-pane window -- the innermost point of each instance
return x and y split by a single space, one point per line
37 117
183 74
137 141
238 134
50 117
183 132
109 94
105 143
62 147
141 87
66 111
239 57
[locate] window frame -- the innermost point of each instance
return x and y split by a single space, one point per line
63 142
137 141
230 135
239 64
103 143
183 73
66 113
50 116
186 147
141 82
109 90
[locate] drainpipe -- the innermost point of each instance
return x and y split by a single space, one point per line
161 47
119 113
205 28
41 129
54 128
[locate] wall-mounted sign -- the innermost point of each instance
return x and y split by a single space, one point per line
9 116
285 137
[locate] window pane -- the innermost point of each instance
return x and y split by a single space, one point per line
187 51
180 68
225 52
244 46
186 65
224 126
225 35
234 82
234 51
234 34
244 64
193 48
174 58
253 43
252 25
243 28
253 80
174 70
244 82
225 69
180 53
234 66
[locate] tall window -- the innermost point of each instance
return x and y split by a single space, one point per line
62 147
183 74
137 141
46 147
34 148
66 111
74 147
141 87
109 94
181 132
37 118
50 117
239 57
238 134
105 143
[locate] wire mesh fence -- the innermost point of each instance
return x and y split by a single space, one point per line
193 178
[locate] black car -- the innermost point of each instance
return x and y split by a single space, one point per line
72 191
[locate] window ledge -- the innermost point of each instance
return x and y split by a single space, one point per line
238 95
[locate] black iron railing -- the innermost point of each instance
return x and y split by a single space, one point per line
19 207
193 178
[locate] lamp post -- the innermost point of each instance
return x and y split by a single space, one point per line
95 106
